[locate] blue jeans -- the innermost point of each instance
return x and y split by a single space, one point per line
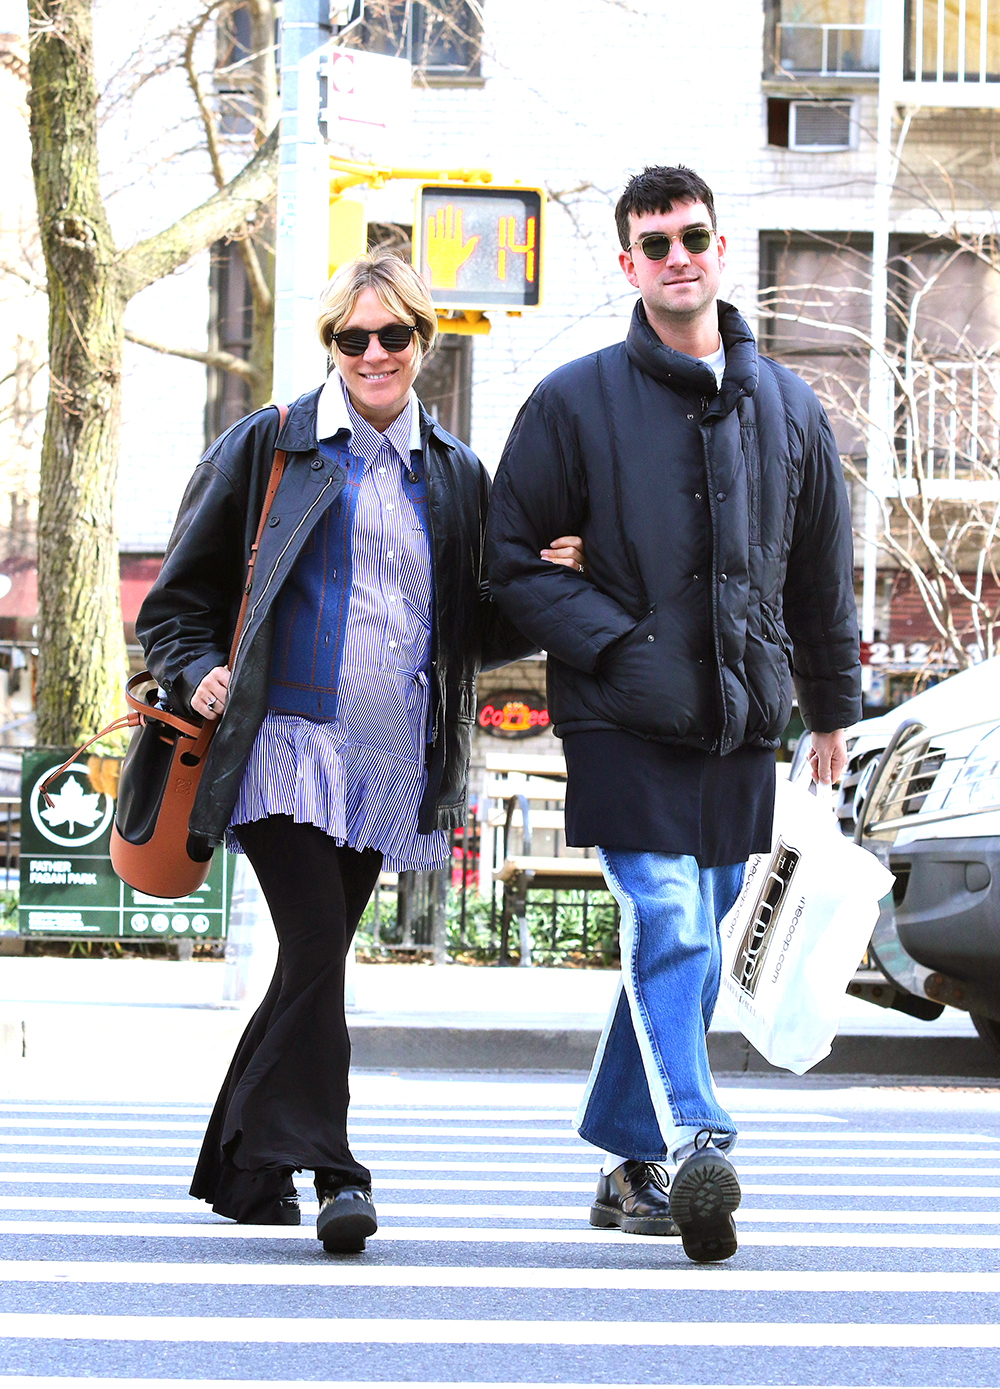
650 1089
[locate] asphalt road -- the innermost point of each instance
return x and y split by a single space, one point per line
869 1238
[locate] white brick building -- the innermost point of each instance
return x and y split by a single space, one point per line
576 95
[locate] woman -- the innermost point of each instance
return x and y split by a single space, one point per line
345 727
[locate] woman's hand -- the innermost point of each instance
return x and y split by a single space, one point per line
210 697
568 550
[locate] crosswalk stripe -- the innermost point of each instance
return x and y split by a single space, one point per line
403 1112
692 1279
458 1331
25 1140
99 1382
471 1234
584 1169
913 1191
575 1150
401 1129
447 1210
141 1111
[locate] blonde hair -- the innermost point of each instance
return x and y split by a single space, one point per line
400 289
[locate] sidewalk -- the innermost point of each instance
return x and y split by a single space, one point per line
140 1017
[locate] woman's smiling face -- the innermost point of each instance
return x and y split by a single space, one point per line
378 381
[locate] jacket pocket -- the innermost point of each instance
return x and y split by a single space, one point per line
775 632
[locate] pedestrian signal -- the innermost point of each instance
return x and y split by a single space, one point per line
479 248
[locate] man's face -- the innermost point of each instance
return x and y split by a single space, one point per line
686 283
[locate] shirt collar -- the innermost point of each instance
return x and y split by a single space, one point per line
332 414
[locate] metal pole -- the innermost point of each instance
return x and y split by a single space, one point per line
300 268
880 393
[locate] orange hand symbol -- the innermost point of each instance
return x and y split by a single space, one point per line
446 250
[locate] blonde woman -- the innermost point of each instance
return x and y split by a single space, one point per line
344 740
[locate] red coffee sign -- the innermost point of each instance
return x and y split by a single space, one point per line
520 715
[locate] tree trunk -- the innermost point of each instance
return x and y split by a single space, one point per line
82 660
81 644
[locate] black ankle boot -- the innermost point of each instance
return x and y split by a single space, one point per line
279 1201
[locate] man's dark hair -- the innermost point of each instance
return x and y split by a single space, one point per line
656 189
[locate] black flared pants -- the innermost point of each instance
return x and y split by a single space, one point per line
283 1104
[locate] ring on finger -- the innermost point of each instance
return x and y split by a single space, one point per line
210 701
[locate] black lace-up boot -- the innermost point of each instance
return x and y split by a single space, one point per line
346 1215
703 1197
634 1199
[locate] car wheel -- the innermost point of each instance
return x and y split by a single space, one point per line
989 1030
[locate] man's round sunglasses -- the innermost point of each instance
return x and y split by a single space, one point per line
394 337
656 245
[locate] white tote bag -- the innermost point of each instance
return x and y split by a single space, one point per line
798 930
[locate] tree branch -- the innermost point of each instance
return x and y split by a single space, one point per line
224 212
225 361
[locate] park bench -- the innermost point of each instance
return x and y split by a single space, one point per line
528 793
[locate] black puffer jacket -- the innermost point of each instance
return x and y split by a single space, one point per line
186 622
718 544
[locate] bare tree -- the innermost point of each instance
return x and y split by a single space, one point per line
90 280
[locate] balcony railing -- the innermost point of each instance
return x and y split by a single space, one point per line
954 43
958 413
829 50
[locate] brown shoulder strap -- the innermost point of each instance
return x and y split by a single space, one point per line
277 468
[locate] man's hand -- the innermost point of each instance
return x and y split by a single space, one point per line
446 251
828 756
209 698
568 550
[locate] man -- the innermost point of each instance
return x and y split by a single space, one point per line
706 484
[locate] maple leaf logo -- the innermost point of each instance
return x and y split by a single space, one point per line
73 807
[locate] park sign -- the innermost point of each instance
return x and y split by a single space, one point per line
68 886
478 246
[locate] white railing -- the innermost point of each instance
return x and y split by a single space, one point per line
950 42
957 415
829 50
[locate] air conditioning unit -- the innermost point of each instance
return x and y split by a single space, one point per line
821 125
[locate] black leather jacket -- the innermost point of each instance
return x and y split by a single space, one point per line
718 542
186 622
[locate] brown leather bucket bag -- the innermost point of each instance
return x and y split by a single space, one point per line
152 849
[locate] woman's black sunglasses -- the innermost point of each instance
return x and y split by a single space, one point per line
394 337
656 245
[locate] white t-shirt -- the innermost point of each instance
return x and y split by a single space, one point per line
717 361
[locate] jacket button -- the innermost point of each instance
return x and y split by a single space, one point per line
722 578
697 496
720 496
650 638
690 417
695 577
316 464
412 477
273 520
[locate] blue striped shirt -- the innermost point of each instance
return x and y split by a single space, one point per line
360 777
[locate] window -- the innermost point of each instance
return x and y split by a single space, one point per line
234 72
816 292
824 38
816 279
230 328
445 385
441 38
